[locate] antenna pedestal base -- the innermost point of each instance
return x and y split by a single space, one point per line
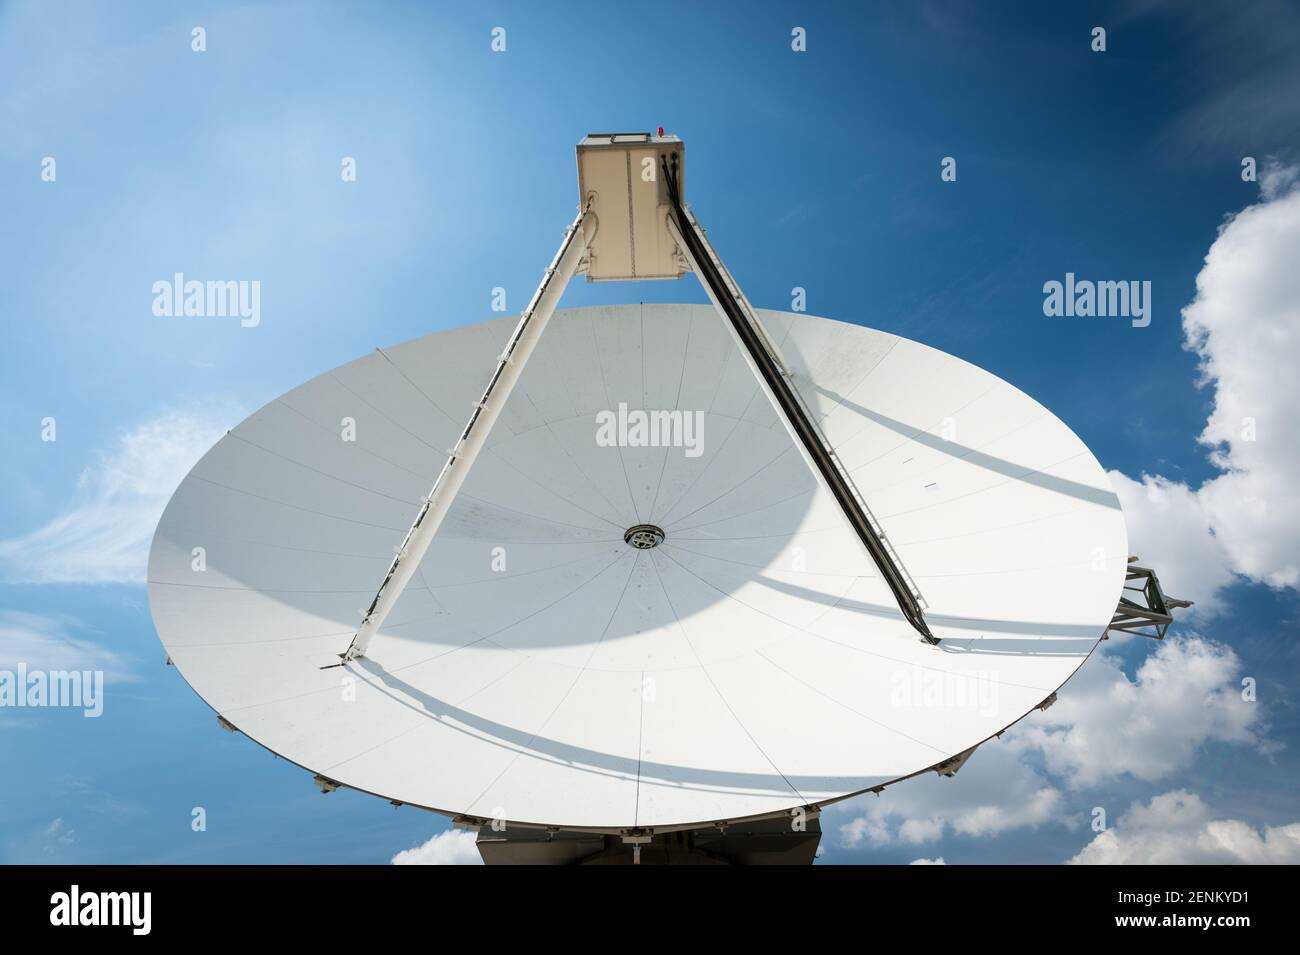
765 842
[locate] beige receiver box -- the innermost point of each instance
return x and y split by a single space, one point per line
623 173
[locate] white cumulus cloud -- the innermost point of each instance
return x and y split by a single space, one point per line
1104 727
1244 324
453 847
103 536
993 793
1170 531
1177 828
1186 694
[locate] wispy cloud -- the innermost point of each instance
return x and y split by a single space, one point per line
103 536
1249 93
47 643
59 835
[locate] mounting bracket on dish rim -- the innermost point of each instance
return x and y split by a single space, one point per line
1144 608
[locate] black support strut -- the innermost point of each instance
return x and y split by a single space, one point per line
794 412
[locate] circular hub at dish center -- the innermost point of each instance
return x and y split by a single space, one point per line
644 536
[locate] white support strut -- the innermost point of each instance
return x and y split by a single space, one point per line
510 366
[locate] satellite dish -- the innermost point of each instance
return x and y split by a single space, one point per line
543 669
681 566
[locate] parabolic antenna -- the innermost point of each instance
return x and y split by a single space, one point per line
642 610
541 666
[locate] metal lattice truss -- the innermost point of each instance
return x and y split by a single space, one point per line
1144 608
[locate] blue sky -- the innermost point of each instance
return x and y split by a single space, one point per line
817 169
